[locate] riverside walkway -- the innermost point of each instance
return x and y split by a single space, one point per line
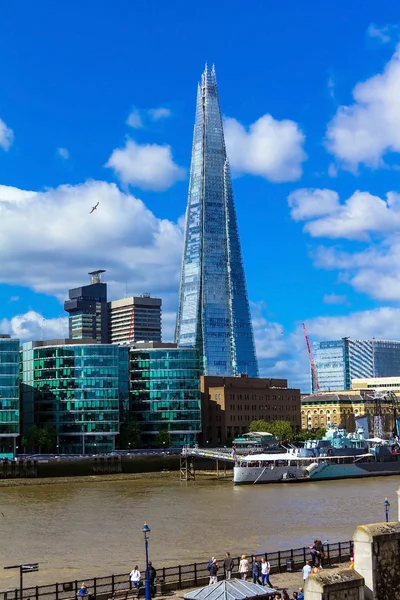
285 571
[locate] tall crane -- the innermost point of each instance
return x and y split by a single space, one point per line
311 359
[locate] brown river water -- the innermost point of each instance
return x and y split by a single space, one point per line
79 530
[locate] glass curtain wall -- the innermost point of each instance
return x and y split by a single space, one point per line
165 393
9 396
74 389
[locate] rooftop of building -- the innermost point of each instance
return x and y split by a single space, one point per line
64 342
142 300
243 381
154 345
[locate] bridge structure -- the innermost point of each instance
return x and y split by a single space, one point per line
219 455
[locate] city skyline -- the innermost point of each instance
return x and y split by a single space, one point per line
213 311
108 118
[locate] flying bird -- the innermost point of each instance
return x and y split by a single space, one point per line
94 208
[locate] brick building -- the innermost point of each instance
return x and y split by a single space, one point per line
230 404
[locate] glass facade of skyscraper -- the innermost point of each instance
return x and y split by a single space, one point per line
77 389
165 392
213 313
338 362
9 395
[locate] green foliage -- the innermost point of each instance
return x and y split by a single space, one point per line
320 433
163 439
260 426
40 437
282 430
130 435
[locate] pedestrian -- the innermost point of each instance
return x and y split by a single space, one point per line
295 596
265 571
210 562
82 591
255 569
152 578
244 567
214 572
306 570
278 596
135 577
300 595
285 595
228 565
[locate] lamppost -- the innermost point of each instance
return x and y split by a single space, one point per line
146 531
26 568
386 504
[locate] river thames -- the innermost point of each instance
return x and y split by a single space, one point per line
78 530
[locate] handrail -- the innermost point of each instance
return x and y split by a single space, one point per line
174 577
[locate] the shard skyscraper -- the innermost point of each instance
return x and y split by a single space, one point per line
214 312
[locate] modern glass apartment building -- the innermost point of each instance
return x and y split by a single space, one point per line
77 389
338 362
214 313
165 391
9 396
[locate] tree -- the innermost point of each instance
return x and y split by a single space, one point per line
260 425
163 439
282 430
41 437
130 435
320 433
25 443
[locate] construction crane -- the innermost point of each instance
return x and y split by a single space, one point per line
311 359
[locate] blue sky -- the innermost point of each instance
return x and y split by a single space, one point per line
97 102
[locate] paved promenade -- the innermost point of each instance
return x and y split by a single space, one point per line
289 581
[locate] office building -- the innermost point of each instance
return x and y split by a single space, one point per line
165 391
87 309
230 404
213 312
338 362
378 384
134 319
342 408
74 388
9 396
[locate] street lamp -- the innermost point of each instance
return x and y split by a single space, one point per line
386 504
146 532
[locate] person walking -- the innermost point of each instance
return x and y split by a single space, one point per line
300 595
244 567
152 579
306 570
228 565
135 577
265 571
214 572
255 570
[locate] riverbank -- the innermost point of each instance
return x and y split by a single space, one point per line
109 478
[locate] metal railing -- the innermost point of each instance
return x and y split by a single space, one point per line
179 576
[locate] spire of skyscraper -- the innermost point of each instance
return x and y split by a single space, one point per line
214 312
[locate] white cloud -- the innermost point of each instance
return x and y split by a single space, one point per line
6 136
271 149
381 323
33 326
159 113
63 152
359 216
334 299
383 34
123 237
365 131
148 166
134 119
14 299
308 203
